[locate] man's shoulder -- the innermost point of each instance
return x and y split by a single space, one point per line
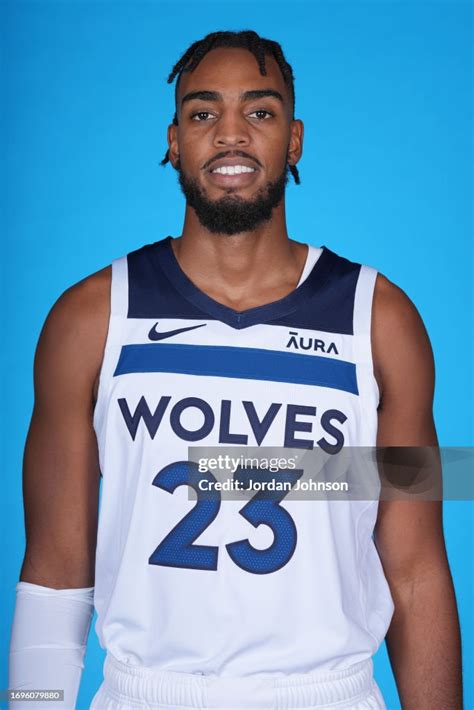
87 299
400 342
75 329
394 315
391 301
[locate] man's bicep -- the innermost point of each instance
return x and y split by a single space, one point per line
60 468
404 364
408 533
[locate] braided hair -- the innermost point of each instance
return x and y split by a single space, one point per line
246 39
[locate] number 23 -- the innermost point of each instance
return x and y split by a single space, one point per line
177 548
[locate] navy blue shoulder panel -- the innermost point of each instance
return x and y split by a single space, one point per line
150 292
324 301
331 307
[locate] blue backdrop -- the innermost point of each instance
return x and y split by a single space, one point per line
385 90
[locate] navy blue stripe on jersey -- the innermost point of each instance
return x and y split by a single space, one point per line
158 288
238 363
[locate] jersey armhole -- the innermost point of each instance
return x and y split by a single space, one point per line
363 302
113 342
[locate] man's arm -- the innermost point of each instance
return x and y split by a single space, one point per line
61 468
54 598
423 640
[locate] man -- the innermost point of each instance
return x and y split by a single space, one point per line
194 341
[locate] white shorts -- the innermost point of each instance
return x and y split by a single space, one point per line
127 687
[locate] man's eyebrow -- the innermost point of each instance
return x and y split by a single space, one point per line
261 94
245 96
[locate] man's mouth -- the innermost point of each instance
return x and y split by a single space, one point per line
233 172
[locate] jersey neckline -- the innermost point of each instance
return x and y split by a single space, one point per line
251 316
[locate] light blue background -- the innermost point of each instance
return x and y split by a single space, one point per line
385 90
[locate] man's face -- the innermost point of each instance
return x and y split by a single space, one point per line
234 140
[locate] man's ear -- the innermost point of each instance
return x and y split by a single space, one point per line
295 148
173 149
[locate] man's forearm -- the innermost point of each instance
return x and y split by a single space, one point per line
424 643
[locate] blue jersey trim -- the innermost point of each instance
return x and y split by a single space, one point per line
238 363
158 288
287 305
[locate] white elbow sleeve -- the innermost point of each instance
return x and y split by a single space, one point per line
48 643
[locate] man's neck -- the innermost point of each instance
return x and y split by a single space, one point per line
242 270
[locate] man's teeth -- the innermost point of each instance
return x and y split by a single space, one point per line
233 170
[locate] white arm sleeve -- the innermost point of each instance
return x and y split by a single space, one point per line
48 643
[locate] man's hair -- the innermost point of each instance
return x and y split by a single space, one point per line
246 39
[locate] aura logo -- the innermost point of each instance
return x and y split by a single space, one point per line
162 334
300 342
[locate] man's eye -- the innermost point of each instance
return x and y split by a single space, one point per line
201 115
262 111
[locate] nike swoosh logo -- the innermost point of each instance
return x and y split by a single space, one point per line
155 335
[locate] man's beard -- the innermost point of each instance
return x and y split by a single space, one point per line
232 214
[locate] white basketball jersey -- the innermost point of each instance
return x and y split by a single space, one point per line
184 587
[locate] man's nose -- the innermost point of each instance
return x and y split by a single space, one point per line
231 129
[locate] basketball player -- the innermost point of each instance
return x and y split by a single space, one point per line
193 341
